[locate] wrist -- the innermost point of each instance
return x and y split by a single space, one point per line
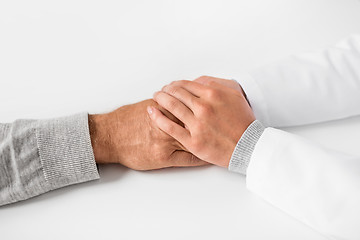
100 138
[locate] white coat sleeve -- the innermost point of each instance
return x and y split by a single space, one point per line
318 186
307 88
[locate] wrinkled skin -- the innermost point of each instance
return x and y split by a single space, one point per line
128 136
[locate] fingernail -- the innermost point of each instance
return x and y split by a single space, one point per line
149 110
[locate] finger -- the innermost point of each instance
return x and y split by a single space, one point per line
165 124
197 89
175 107
182 94
185 159
205 79
217 85
169 115
225 82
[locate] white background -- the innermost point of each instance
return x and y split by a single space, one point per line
63 57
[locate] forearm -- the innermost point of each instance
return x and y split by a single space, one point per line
318 186
307 88
37 156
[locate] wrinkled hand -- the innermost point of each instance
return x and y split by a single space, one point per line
214 117
128 136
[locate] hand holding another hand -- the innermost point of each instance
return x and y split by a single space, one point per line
128 136
214 116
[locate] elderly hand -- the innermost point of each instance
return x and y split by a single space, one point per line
214 117
128 136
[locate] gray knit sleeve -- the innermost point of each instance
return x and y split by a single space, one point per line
37 156
241 156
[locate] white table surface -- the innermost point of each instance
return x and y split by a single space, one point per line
63 57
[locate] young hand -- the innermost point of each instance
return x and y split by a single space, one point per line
214 117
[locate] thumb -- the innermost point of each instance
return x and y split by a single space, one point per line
185 159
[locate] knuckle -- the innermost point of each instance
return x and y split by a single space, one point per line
173 90
212 93
203 77
205 110
200 104
173 83
173 104
181 82
169 128
212 83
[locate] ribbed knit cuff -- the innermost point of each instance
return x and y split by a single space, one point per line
241 156
65 150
